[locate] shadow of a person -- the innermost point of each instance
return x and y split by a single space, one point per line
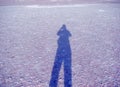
63 54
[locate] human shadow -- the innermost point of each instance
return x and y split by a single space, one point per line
63 55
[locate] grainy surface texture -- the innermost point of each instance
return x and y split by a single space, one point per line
28 44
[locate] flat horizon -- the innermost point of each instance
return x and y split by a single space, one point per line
54 2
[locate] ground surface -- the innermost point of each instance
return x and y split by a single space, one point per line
28 43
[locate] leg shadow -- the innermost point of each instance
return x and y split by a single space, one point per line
63 56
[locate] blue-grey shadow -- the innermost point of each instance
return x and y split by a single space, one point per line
63 56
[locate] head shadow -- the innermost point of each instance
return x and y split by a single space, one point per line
63 56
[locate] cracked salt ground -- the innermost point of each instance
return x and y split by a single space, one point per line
28 44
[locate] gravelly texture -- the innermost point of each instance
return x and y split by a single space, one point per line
28 44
